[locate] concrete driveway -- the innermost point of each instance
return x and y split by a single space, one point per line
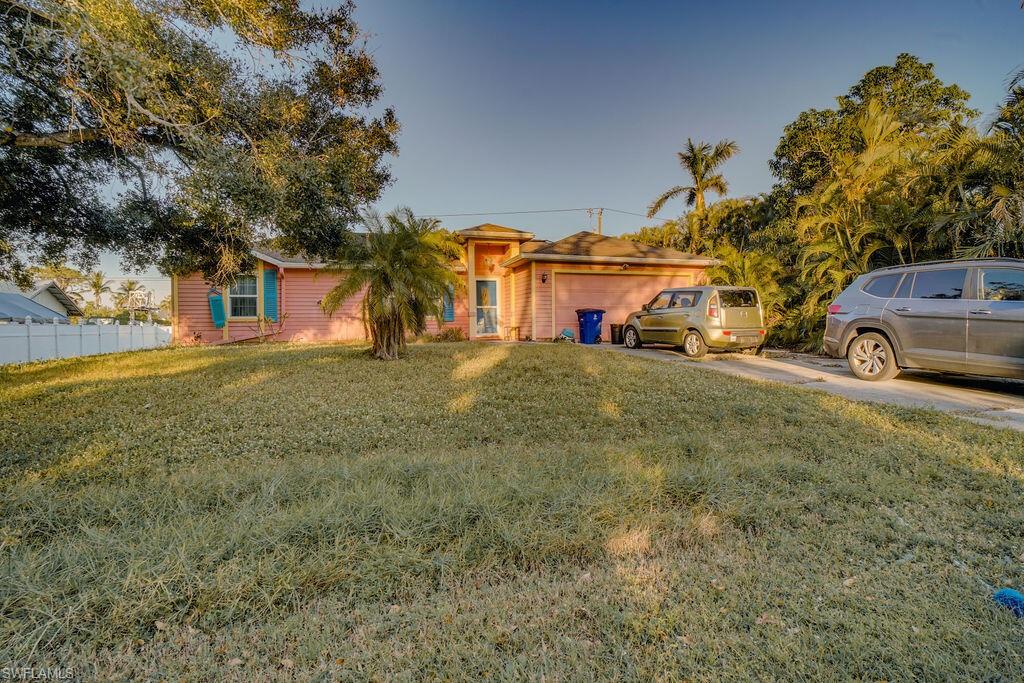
994 402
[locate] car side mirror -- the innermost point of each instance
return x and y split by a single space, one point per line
646 307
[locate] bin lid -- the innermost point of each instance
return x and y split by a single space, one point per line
590 310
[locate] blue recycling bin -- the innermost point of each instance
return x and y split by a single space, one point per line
590 324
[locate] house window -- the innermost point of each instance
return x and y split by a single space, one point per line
242 295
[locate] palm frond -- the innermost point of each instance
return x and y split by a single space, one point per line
664 198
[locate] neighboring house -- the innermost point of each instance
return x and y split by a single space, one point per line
517 287
15 307
47 294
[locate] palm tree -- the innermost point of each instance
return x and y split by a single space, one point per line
125 291
97 284
841 224
701 161
404 266
752 269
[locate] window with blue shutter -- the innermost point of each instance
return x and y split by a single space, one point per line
448 301
270 294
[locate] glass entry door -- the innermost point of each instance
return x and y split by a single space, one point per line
486 307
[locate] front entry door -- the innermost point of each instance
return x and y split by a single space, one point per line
995 326
486 308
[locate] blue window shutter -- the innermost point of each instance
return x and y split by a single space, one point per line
270 294
216 308
448 302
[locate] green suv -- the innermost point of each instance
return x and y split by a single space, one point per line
697 319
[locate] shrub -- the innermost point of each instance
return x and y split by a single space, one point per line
449 334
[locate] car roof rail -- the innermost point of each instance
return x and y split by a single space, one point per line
965 261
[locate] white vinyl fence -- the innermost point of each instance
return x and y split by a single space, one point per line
23 342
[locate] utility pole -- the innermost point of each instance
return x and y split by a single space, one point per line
600 215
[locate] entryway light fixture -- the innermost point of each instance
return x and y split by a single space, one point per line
544 277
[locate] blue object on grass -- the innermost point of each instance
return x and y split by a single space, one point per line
1011 600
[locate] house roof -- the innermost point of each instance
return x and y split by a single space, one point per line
494 232
15 306
282 260
594 248
60 295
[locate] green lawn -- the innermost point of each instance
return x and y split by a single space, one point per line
493 511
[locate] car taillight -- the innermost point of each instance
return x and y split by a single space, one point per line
761 332
713 307
834 308
727 332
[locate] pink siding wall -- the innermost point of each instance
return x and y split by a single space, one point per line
461 314
194 320
542 300
304 319
300 291
523 316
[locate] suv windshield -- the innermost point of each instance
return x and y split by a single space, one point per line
738 298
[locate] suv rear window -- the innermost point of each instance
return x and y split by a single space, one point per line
737 298
883 286
1003 284
940 284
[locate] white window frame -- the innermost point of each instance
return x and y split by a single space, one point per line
255 296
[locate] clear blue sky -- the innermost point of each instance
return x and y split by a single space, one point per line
509 106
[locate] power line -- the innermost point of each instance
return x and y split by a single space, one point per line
639 215
502 213
534 211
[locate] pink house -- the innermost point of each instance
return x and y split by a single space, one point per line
517 287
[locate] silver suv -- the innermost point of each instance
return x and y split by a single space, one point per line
952 316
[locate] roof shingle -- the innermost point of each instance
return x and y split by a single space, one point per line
587 243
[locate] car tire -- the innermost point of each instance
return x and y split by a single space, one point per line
631 338
693 345
871 358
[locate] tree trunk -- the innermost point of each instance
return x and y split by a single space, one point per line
387 339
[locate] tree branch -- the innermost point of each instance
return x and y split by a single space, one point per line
64 138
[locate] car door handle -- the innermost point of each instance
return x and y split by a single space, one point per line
902 308
982 311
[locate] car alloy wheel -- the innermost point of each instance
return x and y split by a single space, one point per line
631 338
691 344
870 357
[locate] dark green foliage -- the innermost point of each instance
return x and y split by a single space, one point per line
213 151
895 173
404 265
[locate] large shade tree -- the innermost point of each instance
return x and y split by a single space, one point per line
223 122
403 267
